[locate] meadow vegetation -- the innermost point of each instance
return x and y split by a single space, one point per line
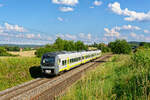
123 77
17 70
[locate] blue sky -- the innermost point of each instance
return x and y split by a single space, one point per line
42 21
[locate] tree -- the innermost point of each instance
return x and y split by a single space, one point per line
2 50
79 45
59 44
120 47
69 46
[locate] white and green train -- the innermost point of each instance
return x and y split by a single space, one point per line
54 63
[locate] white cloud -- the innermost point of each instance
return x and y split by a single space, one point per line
66 36
147 38
146 31
60 35
97 3
138 36
1 29
16 28
60 19
66 9
133 35
81 35
66 2
49 38
91 7
104 39
127 27
30 35
20 36
115 31
115 7
85 36
122 28
111 33
39 35
89 36
69 36
130 15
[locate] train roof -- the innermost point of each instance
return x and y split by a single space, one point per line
66 52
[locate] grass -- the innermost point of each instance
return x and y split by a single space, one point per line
123 77
16 70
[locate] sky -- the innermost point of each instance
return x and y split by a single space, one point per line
42 21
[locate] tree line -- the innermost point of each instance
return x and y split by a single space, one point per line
116 47
61 45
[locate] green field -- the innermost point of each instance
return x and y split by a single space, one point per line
123 77
16 70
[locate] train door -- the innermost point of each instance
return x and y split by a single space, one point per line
83 59
68 67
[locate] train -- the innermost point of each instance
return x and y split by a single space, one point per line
56 62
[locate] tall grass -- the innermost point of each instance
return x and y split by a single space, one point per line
123 77
16 70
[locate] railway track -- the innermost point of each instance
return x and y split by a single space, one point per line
48 88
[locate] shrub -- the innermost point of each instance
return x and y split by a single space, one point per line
27 49
39 52
133 78
103 47
14 48
106 49
120 47
3 52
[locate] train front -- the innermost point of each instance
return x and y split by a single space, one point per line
49 64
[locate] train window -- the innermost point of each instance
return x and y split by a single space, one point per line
64 62
79 58
70 60
82 57
75 59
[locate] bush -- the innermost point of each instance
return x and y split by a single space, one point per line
3 52
103 47
39 52
133 78
120 47
106 49
14 48
27 49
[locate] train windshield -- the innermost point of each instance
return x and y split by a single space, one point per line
48 61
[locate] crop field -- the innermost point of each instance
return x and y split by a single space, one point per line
124 77
16 70
24 53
